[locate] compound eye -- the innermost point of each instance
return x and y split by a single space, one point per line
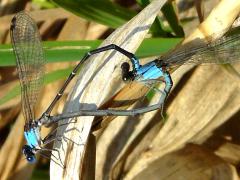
125 71
31 159
27 151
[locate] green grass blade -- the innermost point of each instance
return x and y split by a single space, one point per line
157 29
62 51
49 78
59 51
101 11
43 4
171 16
11 94
7 57
156 46
55 51
168 11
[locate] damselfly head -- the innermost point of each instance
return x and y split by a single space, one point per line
126 74
28 152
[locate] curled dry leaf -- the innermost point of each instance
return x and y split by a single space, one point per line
98 80
202 104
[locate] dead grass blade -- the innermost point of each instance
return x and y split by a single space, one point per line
98 81
203 104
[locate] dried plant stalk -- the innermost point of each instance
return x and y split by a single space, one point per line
193 109
99 80
191 162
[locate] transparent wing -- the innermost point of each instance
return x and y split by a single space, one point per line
224 50
30 60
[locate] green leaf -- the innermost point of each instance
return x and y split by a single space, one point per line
157 29
40 174
101 11
48 78
58 51
45 4
168 11
15 91
171 17
62 51
156 46
55 51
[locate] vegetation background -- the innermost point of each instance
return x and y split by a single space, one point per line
199 136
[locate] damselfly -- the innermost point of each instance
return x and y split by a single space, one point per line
30 64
